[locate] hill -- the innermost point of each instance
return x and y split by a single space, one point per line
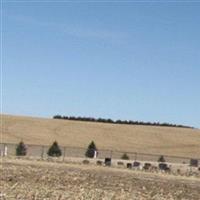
137 138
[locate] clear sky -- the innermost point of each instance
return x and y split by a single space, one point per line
119 60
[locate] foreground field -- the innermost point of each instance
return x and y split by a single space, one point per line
157 140
55 181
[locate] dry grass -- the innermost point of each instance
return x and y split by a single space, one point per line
159 140
37 180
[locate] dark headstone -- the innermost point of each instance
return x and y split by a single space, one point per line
147 166
129 165
136 164
194 162
108 161
163 166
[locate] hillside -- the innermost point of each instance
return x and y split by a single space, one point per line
137 138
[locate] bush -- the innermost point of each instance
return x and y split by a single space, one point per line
120 163
91 150
86 162
99 162
125 157
21 149
54 150
161 159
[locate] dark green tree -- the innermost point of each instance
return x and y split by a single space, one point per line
161 159
21 149
54 150
91 150
125 157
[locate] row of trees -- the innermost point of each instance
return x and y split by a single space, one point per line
130 122
55 150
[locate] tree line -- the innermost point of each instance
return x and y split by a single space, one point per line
130 122
55 150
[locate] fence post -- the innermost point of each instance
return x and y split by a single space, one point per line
135 156
42 154
111 154
3 151
64 154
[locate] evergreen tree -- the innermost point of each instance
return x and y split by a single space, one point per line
21 149
161 159
125 157
91 150
54 150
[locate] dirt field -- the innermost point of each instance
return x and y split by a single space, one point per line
45 180
157 140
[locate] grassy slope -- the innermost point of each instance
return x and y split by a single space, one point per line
149 139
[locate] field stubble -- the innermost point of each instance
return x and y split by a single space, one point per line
21 179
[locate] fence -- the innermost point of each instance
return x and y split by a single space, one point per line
41 152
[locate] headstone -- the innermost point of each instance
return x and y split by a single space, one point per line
108 161
129 165
163 166
194 162
136 164
147 166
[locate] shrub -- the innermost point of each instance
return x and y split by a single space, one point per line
54 150
91 150
161 159
21 149
136 164
99 162
125 157
86 162
120 163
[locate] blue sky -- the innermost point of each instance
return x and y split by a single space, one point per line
137 61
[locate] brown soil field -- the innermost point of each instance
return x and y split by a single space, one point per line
37 180
133 138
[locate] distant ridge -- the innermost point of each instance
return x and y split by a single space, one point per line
129 122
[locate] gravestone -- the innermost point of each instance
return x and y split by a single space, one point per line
108 161
163 166
129 165
136 164
147 166
194 162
